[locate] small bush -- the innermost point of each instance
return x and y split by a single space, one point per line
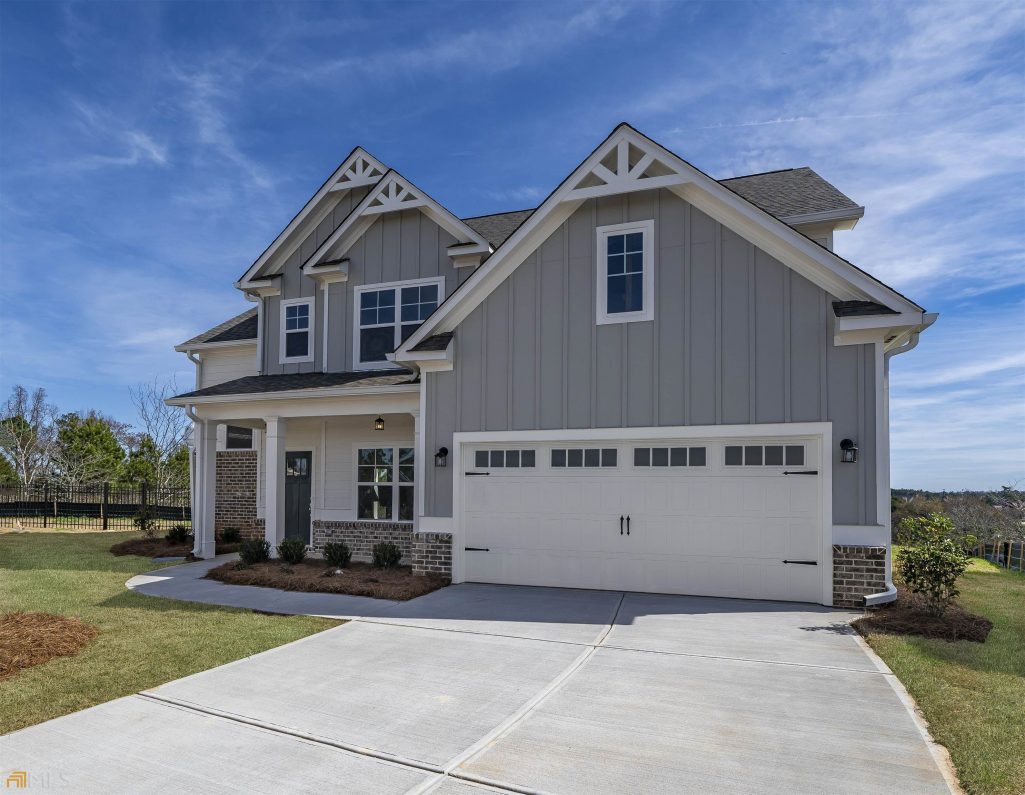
931 561
386 555
231 535
337 554
146 520
253 551
292 550
179 534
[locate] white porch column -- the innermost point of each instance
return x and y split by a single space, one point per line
419 468
274 484
206 489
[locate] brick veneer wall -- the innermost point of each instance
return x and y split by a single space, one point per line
857 572
361 536
235 505
432 554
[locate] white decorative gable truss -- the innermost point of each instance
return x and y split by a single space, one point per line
360 169
628 161
395 193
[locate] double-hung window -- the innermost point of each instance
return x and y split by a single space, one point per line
386 314
296 330
626 275
384 483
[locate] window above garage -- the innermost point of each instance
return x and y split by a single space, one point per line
626 272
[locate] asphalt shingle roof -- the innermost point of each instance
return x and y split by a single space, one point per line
436 342
497 228
239 328
256 384
860 308
790 192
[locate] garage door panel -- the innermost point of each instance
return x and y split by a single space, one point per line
707 530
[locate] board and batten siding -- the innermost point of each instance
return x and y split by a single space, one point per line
737 338
397 247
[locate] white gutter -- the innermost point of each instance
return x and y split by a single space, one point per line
890 593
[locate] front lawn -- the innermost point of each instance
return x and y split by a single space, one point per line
142 642
973 694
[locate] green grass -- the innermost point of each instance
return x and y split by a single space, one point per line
973 694
143 642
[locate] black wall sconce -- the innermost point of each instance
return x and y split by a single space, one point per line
848 452
441 457
379 424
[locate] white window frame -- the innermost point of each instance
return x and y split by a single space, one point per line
357 294
647 312
310 342
395 483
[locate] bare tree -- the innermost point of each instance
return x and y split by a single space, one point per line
973 515
1010 503
166 426
27 433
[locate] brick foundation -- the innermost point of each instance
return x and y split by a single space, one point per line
432 554
857 572
361 536
236 493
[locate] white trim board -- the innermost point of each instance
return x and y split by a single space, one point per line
641 165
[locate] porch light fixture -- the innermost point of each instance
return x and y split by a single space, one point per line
848 452
441 457
379 424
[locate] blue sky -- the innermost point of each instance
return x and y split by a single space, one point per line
150 152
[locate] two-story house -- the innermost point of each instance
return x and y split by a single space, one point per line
653 381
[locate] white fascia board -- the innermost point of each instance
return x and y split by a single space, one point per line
298 394
206 346
891 330
844 219
363 216
372 404
328 274
818 264
429 360
264 288
353 172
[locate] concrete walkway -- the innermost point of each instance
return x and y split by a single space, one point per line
480 688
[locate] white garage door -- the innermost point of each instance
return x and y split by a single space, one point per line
738 518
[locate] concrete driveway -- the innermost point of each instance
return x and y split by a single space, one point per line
516 689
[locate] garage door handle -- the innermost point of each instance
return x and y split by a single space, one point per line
804 472
628 525
621 524
478 474
803 562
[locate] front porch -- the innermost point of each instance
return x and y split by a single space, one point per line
338 468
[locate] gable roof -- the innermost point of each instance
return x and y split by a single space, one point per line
392 193
359 169
792 193
240 328
629 161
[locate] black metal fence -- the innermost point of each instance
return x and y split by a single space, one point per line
101 506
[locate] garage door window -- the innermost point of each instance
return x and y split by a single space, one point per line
669 456
384 476
767 455
585 457
507 459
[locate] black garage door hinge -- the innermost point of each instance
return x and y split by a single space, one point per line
803 562
803 472
476 549
470 474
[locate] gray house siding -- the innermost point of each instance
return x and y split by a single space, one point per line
737 338
397 247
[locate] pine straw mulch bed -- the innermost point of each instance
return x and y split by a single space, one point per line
908 616
358 579
162 548
28 639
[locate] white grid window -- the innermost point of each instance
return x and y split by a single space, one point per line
386 314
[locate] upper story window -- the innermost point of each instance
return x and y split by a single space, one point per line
626 273
296 328
386 314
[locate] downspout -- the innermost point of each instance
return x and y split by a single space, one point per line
890 593
196 360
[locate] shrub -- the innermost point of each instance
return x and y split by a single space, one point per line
337 554
146 520
931 561
292 550
179 534
386 555
252 551
231 535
